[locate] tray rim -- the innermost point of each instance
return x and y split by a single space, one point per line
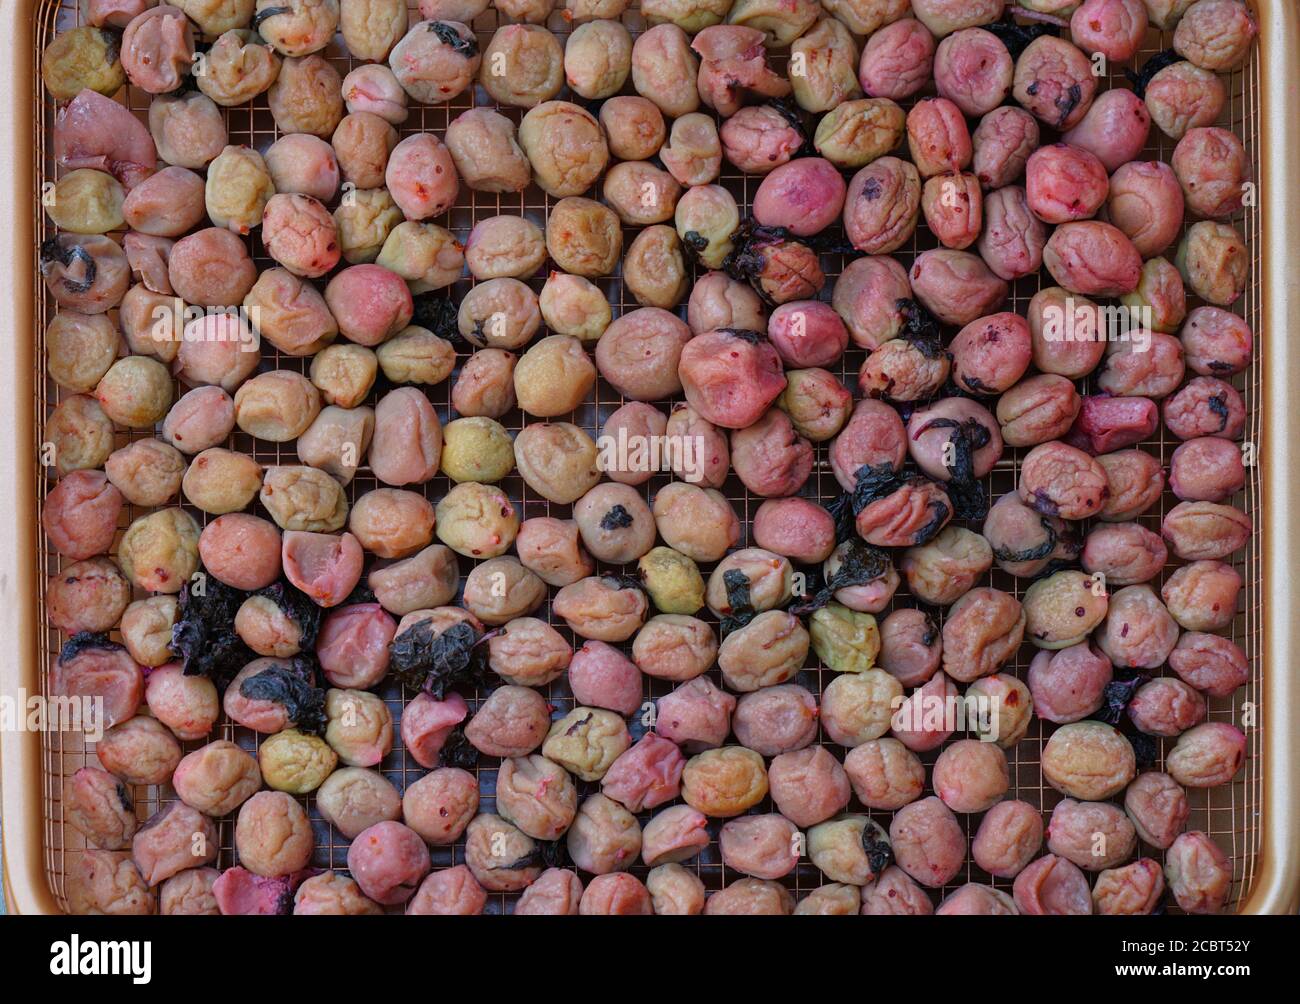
1276 888
26 889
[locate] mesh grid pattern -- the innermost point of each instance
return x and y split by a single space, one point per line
1229 813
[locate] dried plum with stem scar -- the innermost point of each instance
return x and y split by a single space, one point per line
204 633
432 662
291 684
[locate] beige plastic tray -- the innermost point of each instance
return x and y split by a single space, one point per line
1255 819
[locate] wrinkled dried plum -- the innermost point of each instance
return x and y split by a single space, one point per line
1142 77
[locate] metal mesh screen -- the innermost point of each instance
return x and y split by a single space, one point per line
1229 813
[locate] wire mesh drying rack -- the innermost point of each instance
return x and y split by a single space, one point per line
1231 814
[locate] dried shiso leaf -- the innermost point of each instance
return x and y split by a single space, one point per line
299 608
861 563
423 660
204 637
738 600
291 683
